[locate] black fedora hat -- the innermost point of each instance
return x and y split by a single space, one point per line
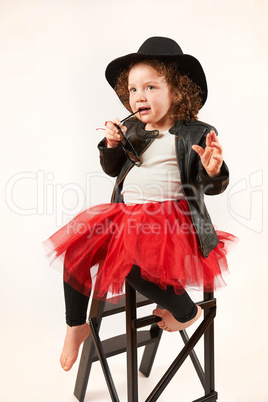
164 49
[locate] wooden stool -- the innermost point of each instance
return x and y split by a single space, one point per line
94 349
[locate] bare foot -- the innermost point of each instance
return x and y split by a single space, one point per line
170 324
74 337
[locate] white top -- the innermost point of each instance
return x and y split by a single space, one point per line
158 178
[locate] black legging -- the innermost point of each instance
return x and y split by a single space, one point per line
180 305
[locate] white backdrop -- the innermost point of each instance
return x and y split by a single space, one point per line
53 54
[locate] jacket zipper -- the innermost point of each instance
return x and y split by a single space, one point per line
123 178
202 248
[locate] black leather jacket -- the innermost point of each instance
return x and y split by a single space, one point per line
194 179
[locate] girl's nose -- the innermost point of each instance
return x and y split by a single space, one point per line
141 96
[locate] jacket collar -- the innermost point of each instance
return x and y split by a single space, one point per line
174 129
154 133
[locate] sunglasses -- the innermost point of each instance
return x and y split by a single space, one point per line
126 144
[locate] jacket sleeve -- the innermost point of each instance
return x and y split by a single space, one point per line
213 185
111 159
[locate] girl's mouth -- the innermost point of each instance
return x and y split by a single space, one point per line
144 110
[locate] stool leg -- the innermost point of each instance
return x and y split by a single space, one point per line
209 352
132 359
97 308
150 351
103 361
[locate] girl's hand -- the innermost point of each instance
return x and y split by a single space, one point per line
211 157
112 134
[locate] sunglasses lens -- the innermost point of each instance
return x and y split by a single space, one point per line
129 150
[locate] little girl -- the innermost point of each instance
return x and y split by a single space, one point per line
156 233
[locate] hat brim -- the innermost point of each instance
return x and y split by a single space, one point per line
187 64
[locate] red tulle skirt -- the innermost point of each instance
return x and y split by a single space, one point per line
158 237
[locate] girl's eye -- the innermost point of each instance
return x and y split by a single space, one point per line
132 90
150 87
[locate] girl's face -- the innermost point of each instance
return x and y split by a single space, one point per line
151 95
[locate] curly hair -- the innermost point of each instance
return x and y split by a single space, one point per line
187 99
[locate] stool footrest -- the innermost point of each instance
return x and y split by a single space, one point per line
208 398
206 304
144 321
118 344
115 308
